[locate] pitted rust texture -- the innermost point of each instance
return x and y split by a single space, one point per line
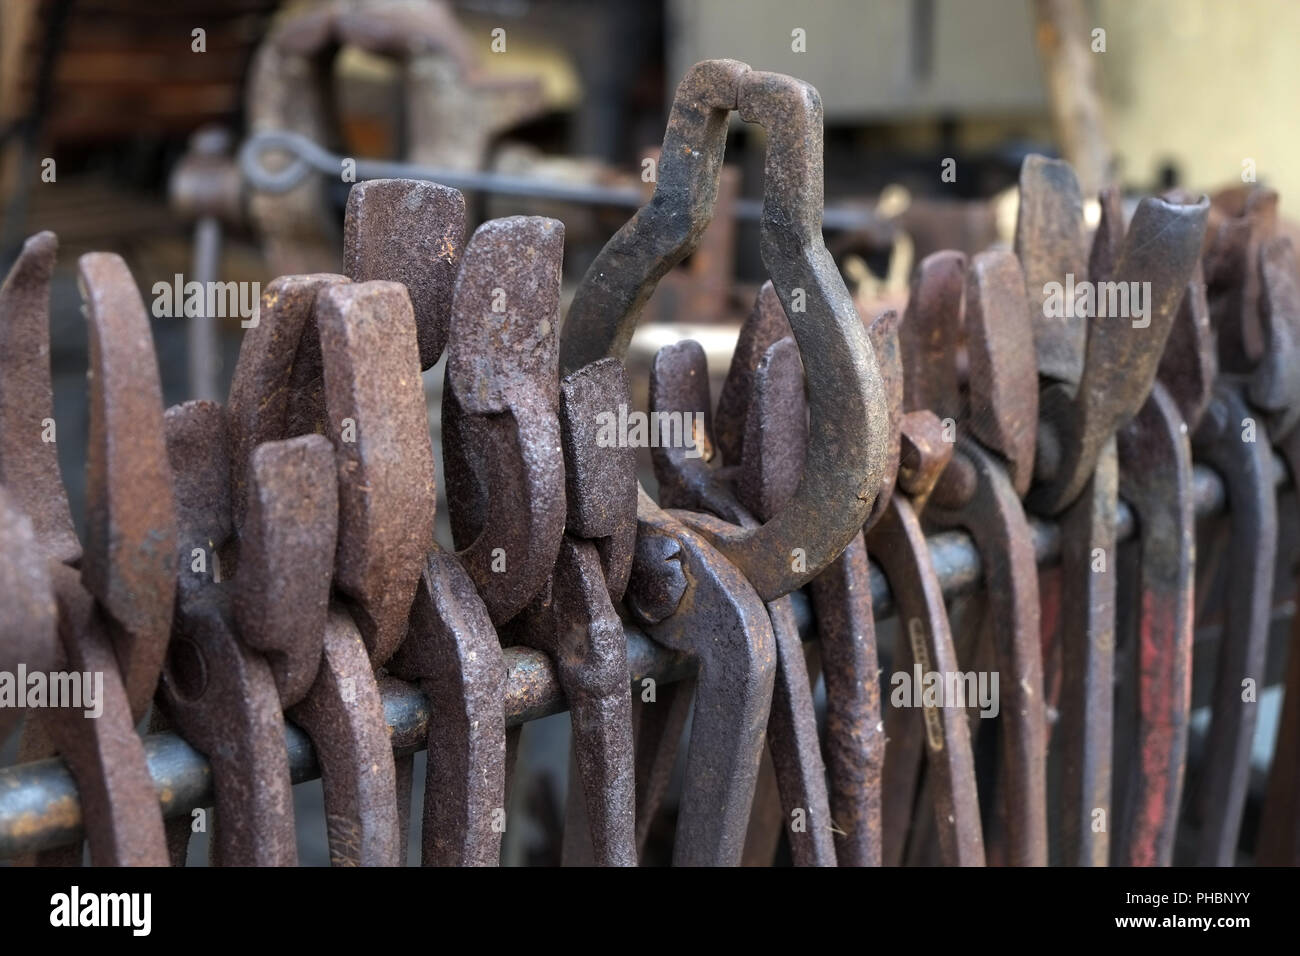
286 558
221 696
119 806
452 650
575 623
1161 248
344 716
104 754
29 466
1155 480
1050 245
408 231
502 443
847 409
261 394
129 563
855 733
600 482
666 230
679 385
197 434
28 632
379 427
690 599
776 432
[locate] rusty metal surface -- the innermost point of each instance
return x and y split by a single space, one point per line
1160 248
344 717
765 478
996 520
1003 387
451 649
219 694
130 553
692 600
262 394
576 624
1155 474
1086 637
501 432
1050 245
599 477
29 466
412 232
931 333
379 426
118 803
1274 385
103 753
901 549
286 557
855 733
1246 466
28 634
979 491
847 413
1243 218
1190 364
765 324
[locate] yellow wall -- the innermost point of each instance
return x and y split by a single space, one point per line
1208 83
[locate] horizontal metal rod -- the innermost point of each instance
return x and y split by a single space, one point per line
308 155
40 808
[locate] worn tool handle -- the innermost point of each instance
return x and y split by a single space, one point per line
1159 253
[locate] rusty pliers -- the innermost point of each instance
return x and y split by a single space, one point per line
845 453
1083 405
114 616
979 491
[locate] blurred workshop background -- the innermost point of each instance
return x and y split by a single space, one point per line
122 124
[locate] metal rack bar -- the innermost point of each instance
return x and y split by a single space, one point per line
40 808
